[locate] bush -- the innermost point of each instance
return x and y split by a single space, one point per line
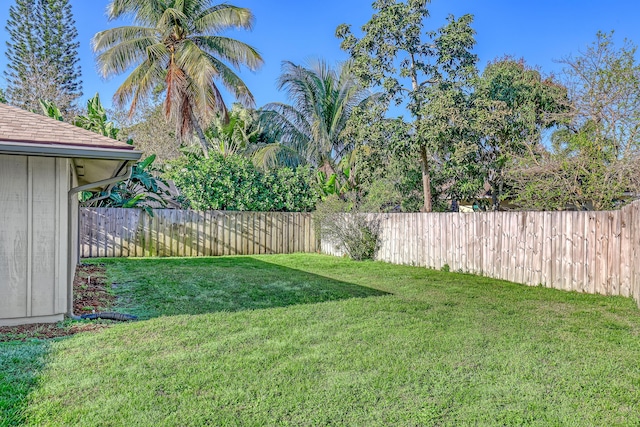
355 233
234 183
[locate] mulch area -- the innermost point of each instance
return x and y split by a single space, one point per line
89 295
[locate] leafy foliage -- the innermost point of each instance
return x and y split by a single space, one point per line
393 55
357 234
514 104
593 159
247 133
96 120
383 177
148 127
234 183
144 189
313 125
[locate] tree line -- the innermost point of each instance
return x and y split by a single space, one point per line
506 137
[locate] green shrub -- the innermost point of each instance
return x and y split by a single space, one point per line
234 183
355 233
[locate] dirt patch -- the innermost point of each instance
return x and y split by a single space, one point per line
90 294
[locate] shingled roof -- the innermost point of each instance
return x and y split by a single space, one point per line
23 127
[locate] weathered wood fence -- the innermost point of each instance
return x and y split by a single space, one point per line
110 232
593 252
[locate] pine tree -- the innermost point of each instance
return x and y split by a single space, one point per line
42 54
57 30
20 54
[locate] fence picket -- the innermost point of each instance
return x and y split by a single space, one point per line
594 252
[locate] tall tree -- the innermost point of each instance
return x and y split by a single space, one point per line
514 104
21 49
177 45
57 30
42 54
394 54
604 85
593 160
322 99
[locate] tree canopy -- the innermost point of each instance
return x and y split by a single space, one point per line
178 45
322 101
396 54
42 54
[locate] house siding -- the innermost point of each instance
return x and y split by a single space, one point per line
34 238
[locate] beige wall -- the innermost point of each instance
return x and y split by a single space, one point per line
34 263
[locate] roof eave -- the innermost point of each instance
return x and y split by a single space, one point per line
69 151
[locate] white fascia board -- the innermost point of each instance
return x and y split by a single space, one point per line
69 151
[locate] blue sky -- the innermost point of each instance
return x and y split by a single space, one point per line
539 31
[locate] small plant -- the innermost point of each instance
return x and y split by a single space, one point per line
355 233
445 268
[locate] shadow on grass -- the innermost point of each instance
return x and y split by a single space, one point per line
173 286
21 364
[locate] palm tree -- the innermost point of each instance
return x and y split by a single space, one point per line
246 133
175 45
323 100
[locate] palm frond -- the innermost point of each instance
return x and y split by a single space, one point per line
175 45
276 154
231 81
139 84
223 17
120 57
233 51
144 11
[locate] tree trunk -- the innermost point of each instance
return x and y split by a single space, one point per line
426 180
424 156
203 141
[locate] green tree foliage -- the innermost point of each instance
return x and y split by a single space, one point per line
604 86
42 54
178 45
394 55
57 30
593 160
384 179
234 183
247 133
144 189
96 120
577 173
313 125
513 106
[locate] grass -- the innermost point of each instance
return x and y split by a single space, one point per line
19 365
168 287
315 340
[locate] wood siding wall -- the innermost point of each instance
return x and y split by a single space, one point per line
593 252
33 238
108 232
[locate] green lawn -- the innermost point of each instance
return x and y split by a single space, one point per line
315 340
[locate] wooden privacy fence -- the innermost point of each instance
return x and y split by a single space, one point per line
114 232
593 252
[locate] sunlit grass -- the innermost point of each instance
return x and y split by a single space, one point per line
327 341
